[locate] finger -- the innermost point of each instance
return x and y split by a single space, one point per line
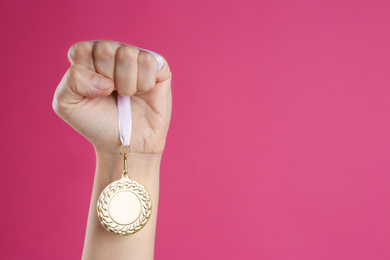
77 83
165 72
81 53
103 54
126 70
147 71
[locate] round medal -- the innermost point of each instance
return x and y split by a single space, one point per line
124 206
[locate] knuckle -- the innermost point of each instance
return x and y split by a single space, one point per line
127 54
60 107
166 67
55 105
71 51
103 50
147 60
74 73
58 103
80 50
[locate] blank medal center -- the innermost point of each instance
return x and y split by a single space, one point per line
124 207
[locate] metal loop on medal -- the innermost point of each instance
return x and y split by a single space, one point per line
124 153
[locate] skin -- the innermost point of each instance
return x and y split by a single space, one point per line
86 100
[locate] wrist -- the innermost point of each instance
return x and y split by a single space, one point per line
148 152
137 163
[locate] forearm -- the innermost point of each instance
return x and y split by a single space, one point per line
101 244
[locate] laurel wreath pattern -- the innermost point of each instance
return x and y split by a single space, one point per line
105 197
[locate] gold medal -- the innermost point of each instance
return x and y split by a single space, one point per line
124 206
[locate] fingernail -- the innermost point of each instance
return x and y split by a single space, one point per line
101 83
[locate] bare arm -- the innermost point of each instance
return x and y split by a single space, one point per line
86 100
101 244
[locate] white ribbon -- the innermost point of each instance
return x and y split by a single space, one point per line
124 104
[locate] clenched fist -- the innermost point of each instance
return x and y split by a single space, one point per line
86 95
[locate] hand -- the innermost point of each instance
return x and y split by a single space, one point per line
86 96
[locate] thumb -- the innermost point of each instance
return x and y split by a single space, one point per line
77 84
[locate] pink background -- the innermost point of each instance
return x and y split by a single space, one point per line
279 142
